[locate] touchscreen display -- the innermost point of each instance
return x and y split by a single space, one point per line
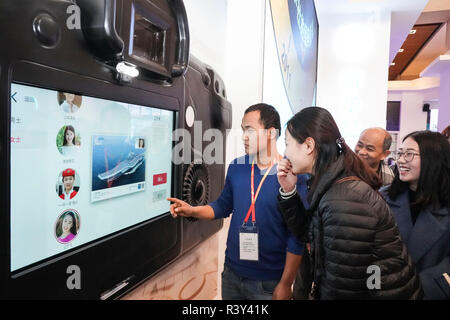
82 168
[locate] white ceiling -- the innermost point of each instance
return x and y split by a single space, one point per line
434 48
436 11
357 6
437 5
404 14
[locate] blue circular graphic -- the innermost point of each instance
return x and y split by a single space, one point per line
304 29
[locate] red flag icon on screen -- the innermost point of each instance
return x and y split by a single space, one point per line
159 179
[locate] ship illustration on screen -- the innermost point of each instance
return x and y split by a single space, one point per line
118 166
126 167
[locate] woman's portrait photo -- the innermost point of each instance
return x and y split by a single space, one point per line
67 226
69 102
140 143
68 140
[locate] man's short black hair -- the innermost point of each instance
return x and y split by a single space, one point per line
268 116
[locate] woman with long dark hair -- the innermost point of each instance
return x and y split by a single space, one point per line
356 248
419 197
67 227
69 141
69 136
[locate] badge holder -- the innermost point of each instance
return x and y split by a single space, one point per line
248 235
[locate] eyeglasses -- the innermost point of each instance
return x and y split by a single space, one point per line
408 155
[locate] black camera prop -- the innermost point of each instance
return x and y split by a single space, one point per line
157 40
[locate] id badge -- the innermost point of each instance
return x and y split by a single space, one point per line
248 243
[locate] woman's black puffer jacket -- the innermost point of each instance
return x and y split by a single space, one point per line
350 228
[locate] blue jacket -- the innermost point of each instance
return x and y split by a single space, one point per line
273 236
428 243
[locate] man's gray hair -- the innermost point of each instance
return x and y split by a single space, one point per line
387 141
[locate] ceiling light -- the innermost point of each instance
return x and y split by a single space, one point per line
413 31
401 50
393 64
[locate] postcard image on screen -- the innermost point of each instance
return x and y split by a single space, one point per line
118 166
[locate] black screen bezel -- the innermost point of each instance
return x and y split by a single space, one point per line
53 258
41 76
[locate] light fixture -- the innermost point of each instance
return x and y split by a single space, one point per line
127 69
413 31
401 50
393 64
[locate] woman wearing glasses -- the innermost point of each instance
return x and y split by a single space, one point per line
419 197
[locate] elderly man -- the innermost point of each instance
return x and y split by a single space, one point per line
373 147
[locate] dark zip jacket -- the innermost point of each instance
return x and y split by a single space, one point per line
353 235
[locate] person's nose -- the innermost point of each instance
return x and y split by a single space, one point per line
401 160
362 152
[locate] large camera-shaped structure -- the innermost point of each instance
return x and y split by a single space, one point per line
123 52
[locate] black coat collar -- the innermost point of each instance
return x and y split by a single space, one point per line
334 172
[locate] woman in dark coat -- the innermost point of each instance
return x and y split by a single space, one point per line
356 248
419 197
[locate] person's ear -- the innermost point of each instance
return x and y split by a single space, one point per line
386 154
310 145
273 133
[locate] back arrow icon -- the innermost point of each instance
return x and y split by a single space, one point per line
12 96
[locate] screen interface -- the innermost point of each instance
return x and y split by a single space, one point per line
82 168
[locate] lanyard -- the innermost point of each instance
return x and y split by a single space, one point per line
254 197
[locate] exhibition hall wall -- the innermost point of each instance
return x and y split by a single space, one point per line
353 69
411 100
444 97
